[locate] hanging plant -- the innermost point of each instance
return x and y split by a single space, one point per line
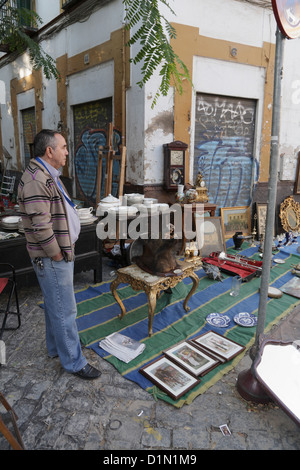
154 34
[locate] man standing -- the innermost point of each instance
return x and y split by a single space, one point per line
51 227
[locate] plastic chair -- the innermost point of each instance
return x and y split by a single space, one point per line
8 285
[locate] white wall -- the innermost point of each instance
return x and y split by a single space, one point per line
148 129
135 125
7 127
47 10
229 20
290 111
222 19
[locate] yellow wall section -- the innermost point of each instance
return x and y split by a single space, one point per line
20 86
190 43
109 50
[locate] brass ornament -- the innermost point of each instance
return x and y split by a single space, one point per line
201 189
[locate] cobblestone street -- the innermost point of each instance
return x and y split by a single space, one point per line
58 411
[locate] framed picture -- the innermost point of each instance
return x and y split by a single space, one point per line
169 377
236 219
191 358
209 235
261 211
219 345
297 180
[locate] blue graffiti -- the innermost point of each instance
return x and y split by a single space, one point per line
226 165
86 163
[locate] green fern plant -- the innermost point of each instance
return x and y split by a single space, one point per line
154 33
13 35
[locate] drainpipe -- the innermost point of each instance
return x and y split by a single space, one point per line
124 89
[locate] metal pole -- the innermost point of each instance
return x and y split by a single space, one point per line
272 191
247 384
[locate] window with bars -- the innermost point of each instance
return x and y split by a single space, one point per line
5 6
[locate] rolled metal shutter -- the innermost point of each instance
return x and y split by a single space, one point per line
223 147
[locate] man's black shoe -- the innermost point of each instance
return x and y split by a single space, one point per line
88 372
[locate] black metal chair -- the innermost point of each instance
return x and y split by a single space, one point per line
8 289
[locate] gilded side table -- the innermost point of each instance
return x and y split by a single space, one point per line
152 285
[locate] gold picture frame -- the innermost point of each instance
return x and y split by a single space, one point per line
290 215
236 219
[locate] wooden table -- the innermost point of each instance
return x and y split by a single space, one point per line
152 285
88 256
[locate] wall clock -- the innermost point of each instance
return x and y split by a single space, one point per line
174 164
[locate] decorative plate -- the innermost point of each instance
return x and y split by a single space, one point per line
217 319
245 319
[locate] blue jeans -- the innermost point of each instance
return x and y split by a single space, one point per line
62 339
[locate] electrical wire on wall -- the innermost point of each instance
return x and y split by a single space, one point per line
258 3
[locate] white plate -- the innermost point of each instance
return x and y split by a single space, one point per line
245 319
10 220
274 292
88 221
278 261
9 225
217 319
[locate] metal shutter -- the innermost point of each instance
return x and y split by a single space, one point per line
223 147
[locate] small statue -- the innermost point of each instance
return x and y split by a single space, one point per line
201 189
199 181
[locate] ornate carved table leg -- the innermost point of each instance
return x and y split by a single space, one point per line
195 280
113 288
152 296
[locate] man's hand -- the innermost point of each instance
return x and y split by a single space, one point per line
58 257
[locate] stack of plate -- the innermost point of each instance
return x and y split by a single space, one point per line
85 215
10 222
152 208
87 220
123 210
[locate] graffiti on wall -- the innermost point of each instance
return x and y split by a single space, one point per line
86 163
90 128
224 142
